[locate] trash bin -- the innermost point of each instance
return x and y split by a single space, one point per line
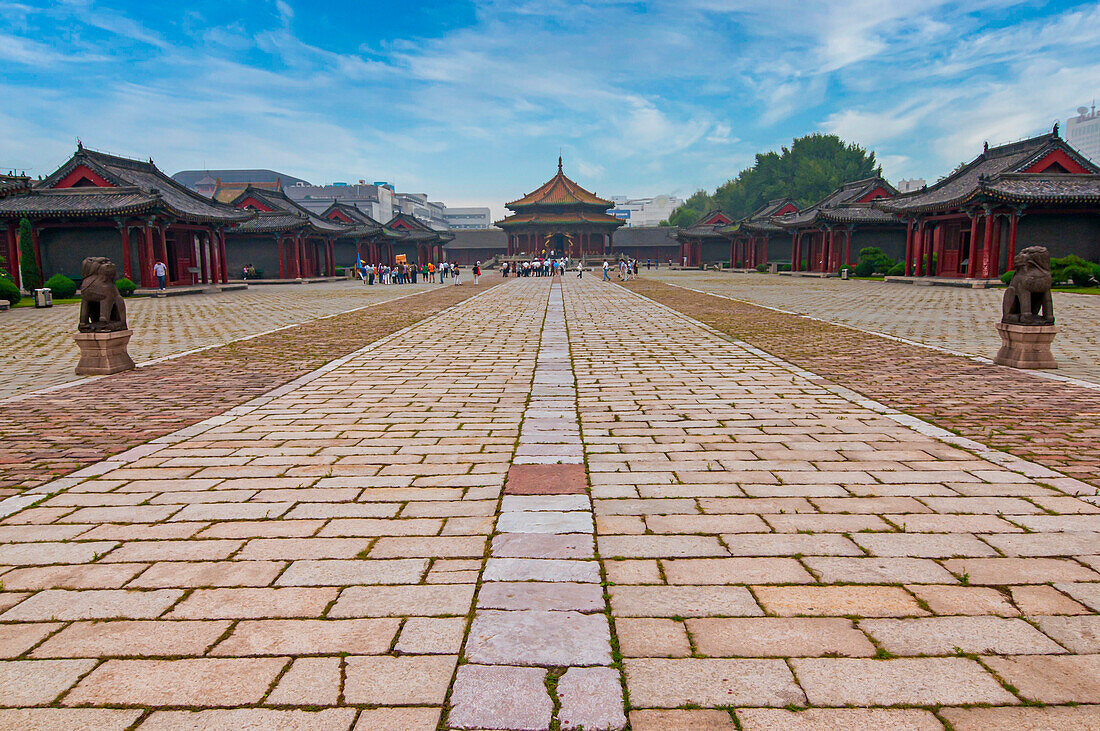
43 298
843 273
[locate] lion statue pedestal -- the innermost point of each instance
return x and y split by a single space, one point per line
1027 314
103 335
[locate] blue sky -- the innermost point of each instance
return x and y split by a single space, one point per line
472 101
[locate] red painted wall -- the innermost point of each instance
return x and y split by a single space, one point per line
1058 157
251 202
83 172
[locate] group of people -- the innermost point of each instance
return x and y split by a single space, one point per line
628 270
535 268
409 273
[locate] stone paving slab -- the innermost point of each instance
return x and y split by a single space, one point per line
51 434
955 318
39 350
748 546
996 406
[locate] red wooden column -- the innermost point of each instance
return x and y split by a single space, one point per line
282 259
127 264
794 251
987 244
147 278
1014 218
733 253
299 256
764 249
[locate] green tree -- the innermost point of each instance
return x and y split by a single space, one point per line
691 209
811 168
28 265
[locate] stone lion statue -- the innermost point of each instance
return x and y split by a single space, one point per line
1027 300
102 308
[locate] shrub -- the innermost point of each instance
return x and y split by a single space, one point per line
1007 276
761 267
873 259
896 270
9 292
1079 275
125 286
1058 267
61 286
28 266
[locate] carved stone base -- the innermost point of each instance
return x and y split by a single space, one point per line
1026 346
102 354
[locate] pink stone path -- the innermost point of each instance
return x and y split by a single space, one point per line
758 549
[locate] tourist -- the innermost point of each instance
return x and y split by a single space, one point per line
606 274
161 272
431 273
476 271
504 270
458 274
580 270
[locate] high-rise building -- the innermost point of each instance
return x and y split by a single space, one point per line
377 200
911 184
1083 132
468 218
644 211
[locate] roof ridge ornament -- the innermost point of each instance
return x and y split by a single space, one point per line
559 163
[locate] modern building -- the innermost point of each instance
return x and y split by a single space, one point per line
459 219
225 185
644 211
1035 192
908 185
128 211
377 200
432 213
1083 133
560 217
475 245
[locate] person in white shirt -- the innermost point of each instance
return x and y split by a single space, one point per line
606 267
161 273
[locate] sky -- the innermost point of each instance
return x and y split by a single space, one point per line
472 102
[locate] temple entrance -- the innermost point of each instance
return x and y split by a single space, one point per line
558 244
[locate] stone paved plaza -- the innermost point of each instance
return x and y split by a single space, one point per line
554 504
955 318
39 350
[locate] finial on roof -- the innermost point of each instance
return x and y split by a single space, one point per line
79 144
985 148
559 163
1055 129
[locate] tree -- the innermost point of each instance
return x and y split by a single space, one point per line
28 264
811 168
691 209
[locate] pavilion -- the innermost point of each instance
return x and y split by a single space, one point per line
560 218
419 242
282 237
362 237
127 210
749 237
1038 191
824 235
703 241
